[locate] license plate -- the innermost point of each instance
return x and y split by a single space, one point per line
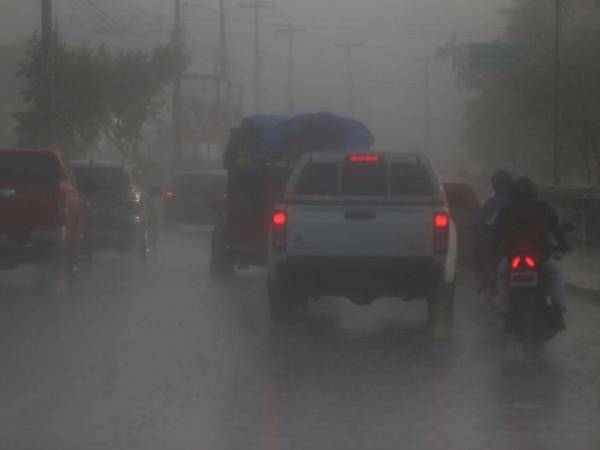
524 279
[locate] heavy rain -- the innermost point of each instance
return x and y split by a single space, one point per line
299 224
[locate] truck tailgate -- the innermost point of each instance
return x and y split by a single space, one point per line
27 204
347 230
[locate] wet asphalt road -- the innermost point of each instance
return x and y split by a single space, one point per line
156 357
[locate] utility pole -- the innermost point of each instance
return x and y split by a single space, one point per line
177 42
290 32
350 100
222 60
257 5
427 103
556 154
48 51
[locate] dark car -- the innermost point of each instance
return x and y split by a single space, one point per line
124 216
193 197
464 207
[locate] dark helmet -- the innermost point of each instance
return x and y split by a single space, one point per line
502 181
523 191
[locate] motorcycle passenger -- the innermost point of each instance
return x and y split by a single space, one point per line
501 183
529 222
488 262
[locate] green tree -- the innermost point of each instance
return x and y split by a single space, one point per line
10 88
136 81
74 124
510 119
97 92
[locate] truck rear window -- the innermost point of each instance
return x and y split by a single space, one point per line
107 179
365 179
318 179
410 179
30 166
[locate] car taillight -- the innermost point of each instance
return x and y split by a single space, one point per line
441 233
279 230
518 261
169 196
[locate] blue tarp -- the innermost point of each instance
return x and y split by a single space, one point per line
263 137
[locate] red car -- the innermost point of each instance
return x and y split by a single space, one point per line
43 214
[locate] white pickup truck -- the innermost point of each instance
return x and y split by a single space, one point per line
362 226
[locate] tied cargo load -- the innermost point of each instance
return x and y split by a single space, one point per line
274 139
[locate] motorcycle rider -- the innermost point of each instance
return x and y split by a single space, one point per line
534 223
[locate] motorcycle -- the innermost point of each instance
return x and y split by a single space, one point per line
532 317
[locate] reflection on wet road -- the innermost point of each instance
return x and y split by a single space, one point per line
157 357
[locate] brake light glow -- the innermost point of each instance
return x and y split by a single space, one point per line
279 231
279 218
364 158
441 233
530 261
169 195
516 262
441 220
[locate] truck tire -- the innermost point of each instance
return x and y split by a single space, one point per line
440 309
221 265
285 305
221 268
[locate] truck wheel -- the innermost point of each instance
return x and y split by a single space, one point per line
285 305
440 309
221 265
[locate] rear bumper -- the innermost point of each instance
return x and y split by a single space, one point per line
40 246
414 277
123 238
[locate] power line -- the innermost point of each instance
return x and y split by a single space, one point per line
290 31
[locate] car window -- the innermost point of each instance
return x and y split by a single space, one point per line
410 179
105 178
363 179
30 166
201 184
318 179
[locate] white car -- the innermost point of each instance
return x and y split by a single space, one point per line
362 226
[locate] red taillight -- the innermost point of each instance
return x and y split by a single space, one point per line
364 158
279 230
441 233
519 260
279 218
169 195
530 262
441 220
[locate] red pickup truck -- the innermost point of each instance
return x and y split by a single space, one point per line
43 215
